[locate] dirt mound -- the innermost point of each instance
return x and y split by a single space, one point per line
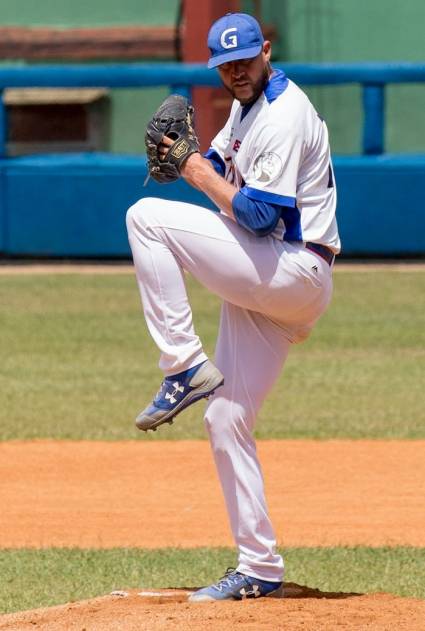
302 608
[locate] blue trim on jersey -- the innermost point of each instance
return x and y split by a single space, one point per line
245 110
267 208
256 216
292 220
277 84
216 161
267 196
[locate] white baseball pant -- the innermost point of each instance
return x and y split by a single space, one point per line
273 292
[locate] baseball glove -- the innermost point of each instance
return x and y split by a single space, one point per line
174 118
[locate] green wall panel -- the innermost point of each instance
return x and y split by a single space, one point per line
131 110
351 31
341 107
405 126
82 13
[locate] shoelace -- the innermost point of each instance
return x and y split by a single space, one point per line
231 576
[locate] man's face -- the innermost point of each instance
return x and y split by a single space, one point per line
245 78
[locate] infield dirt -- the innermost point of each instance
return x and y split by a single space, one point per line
303 609
321 493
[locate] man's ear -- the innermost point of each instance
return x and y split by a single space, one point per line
267 50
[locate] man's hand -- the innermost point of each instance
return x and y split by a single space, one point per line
172 122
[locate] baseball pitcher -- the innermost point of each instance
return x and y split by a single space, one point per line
268 254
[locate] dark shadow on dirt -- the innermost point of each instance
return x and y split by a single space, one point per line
293 590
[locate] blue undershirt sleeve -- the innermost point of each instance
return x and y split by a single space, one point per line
257 216
216 161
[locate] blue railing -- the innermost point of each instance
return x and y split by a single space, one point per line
182 77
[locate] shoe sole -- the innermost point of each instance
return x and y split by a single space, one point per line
201 392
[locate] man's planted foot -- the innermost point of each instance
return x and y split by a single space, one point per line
236 586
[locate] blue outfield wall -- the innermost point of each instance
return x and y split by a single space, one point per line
381 204
74 205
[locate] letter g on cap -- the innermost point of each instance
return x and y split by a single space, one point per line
227 40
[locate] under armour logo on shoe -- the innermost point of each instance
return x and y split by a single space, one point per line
171 396
315 268
254 592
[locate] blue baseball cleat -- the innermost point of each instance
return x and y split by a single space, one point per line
237 586
179 391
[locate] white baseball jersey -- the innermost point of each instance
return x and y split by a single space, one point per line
277 151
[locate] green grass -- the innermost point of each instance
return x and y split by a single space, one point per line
77 361
31 578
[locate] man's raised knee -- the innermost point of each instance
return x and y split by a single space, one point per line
137 213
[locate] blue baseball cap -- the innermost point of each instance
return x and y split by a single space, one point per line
234 36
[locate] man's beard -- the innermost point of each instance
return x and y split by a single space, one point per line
257 88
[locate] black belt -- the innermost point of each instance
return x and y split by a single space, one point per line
322 250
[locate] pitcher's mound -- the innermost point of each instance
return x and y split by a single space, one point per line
156 610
